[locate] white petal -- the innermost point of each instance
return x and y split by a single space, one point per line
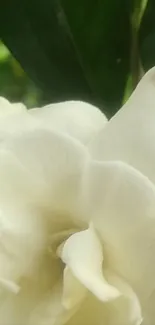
126 309
7 108
91 312
121 202
46 169
73 290
36 295
122 311
25 263
130 135
14 124
78 119
9 285
82 253
51 311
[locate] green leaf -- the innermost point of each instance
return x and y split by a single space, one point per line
73 49
4 53
34 32
147 36
101 32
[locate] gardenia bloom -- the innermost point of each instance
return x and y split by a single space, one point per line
77 213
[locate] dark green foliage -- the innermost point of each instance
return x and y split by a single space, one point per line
147 36
80 49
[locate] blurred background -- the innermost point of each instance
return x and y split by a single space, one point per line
15 85
57 50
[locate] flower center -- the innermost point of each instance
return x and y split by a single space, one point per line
58 239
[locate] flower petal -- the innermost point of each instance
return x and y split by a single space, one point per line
51 311
122 311
7 108
46 169
91 312
82 253
73 290
121 202
130 135
126 309
78 119
37 300
9 285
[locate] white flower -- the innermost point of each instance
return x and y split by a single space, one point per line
77 213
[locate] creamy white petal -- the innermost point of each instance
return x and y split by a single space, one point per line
51 310
82 253
122 311
9 285
7 108
45 168
27 269
121 202
78 119
73 290
126 309
35 296
14 120
130 135
15 124
91 312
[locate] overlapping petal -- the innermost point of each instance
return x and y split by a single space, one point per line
77 229
82 253
121 203
124 310
41 168
39 299
40 172
77 119
6 108
130 135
